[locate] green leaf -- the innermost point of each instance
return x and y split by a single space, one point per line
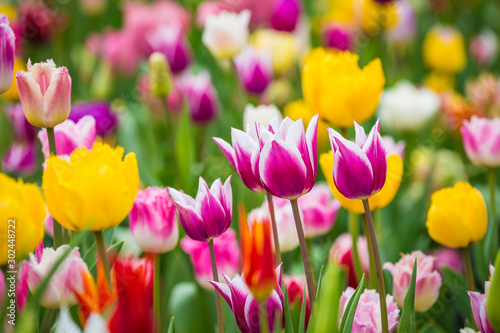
492 297
171 326
302 321
407 322
288 317
185 150
319 282
352 305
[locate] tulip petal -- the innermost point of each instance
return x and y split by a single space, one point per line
57 98
244 148
311 140
282 169
31 98
475 302
360 134
240 295
224 290
376 153
188 215
212 213
227 149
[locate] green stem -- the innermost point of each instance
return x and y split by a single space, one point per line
354 229
220 319
263 318
156 291
378 266
58 229
305 254
48 319
277 252
377 221
101 249
469 276
372 281
493 204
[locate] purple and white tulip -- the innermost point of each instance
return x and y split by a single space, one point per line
153 222
70 136
360 168
20 158
209 214
227 254
478 305
7 49
254 69
246 308
171 41
481 140
45 93
201 97
21 128
106 120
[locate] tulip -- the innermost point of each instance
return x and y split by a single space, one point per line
3 288
226 33
478 305
201 97
457 216
405 28
45 93
408 108
295 288
227 254
209 214
338 36
64 283
22 286
21 128
484 47
116 60
7 48
332 84
447 258
160 75
366 318
444 50
23 201
70 136
359 168
285 14
134 285
342 254
170 41
481 137
66 324
373 16
261 114
283 47
39 21
94 190
428 280
254 69
12 95
20 158
153 222
245 307
106 120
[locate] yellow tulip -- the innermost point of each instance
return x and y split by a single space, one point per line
335 87
457 217
23 204
12 95
379 200
440 82
373 16
95 190
444 50
299 109
282 46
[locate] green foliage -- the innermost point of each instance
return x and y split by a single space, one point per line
350 310
492 297
407 322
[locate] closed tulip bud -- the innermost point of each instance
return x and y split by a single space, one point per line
45 93
64 283
153 222
333 81
359 169
226 33
254 69
428 280
160 75
21 158
23 201
481 140
285 14
295 286
444 50
261 114
341 253
457 216
7 48
201 97
338 36
209 214
70 136
104 184
170 41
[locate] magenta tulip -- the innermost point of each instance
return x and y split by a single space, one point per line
21 158
481 140
209 214
170 41
153 222
359 169
201 97
285 14
7 48
254 69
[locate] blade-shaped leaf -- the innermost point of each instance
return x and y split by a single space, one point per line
492 296
319 283
302 321
407 322
288 316
352 305
171 326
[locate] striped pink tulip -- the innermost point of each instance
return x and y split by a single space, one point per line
481 139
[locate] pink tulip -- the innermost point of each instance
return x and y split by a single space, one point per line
484 47
481 140
209 214
22 287
70 136
341 253
318 210
285 14
21 128
367 316
246 308
478 305
339 36
153 222
295 285
227 254
446 257
201 97
170 41
359 169
64 283
45 93
21 158
254 69
428 280
7 48
112 45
